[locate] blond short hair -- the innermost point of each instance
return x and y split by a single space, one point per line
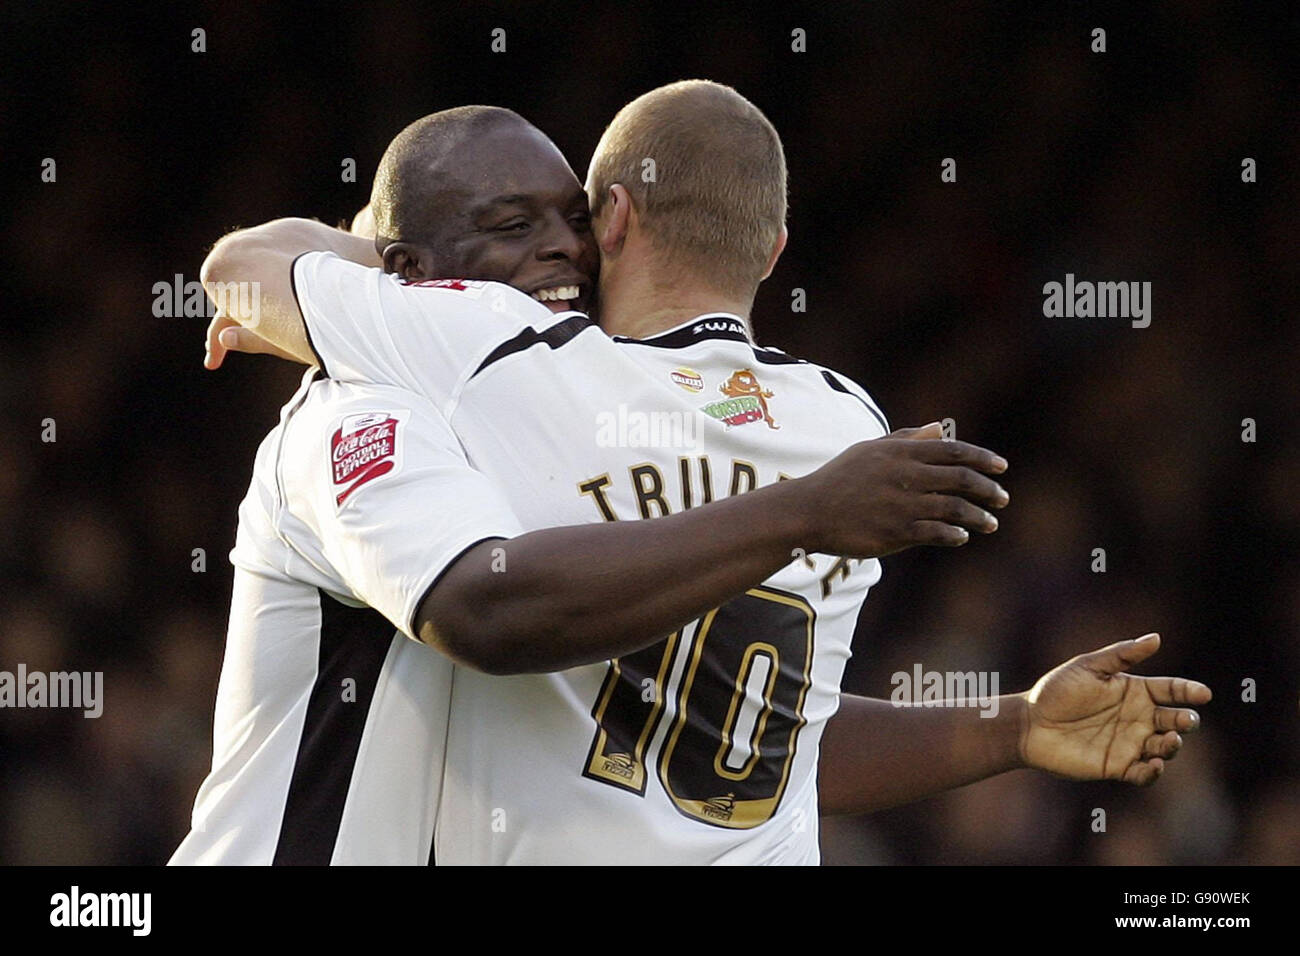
716 203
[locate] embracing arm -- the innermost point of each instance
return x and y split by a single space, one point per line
267 315
561 597
1085 720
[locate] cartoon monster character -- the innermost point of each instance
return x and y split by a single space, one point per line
744 383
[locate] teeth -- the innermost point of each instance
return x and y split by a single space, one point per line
559 293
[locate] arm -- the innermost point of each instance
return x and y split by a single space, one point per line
542 614
558 598
575 595
1085 720
266 318
876 754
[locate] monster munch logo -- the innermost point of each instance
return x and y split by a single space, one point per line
746 401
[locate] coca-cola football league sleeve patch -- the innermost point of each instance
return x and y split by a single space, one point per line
365 447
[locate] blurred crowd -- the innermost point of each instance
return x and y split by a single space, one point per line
1116 166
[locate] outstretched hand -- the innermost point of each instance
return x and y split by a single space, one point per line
1090 720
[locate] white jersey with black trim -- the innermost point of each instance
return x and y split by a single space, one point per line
330 718
703 747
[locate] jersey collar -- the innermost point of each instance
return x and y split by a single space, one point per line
710 325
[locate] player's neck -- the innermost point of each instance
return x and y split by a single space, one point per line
638 307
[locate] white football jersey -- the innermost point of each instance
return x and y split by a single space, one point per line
703 747
330 725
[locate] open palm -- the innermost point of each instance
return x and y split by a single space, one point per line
1089 720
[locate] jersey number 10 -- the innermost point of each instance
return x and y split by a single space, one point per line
726 759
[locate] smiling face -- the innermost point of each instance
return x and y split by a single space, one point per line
503 205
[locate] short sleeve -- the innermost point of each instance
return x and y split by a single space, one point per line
382 486
872 418
428 337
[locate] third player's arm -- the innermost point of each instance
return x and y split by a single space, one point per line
1086 719
876 755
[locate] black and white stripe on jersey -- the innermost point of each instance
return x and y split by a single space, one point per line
302 314
839 386
706 327
553 337
354 642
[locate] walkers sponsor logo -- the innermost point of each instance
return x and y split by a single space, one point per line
688 379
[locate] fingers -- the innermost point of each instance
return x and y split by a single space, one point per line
1177 690
938 534
958 453
959 511
1176 718
225 335
238 339
364 223
963 481
1118 657
1165 746
1143 773
214 352
1162 746
934 430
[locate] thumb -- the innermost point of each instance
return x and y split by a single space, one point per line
930 431
239 339
1119 657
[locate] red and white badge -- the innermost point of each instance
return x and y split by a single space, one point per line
363 448
472 287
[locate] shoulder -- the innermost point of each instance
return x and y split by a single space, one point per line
346 434
328 401
838 383
336 418
444 295
473 295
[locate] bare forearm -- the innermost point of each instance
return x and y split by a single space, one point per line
875 754
290 237
247 274
568 596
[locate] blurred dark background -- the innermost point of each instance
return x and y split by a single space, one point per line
1123 165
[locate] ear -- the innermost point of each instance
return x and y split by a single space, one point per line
403 259
618 217
776 252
